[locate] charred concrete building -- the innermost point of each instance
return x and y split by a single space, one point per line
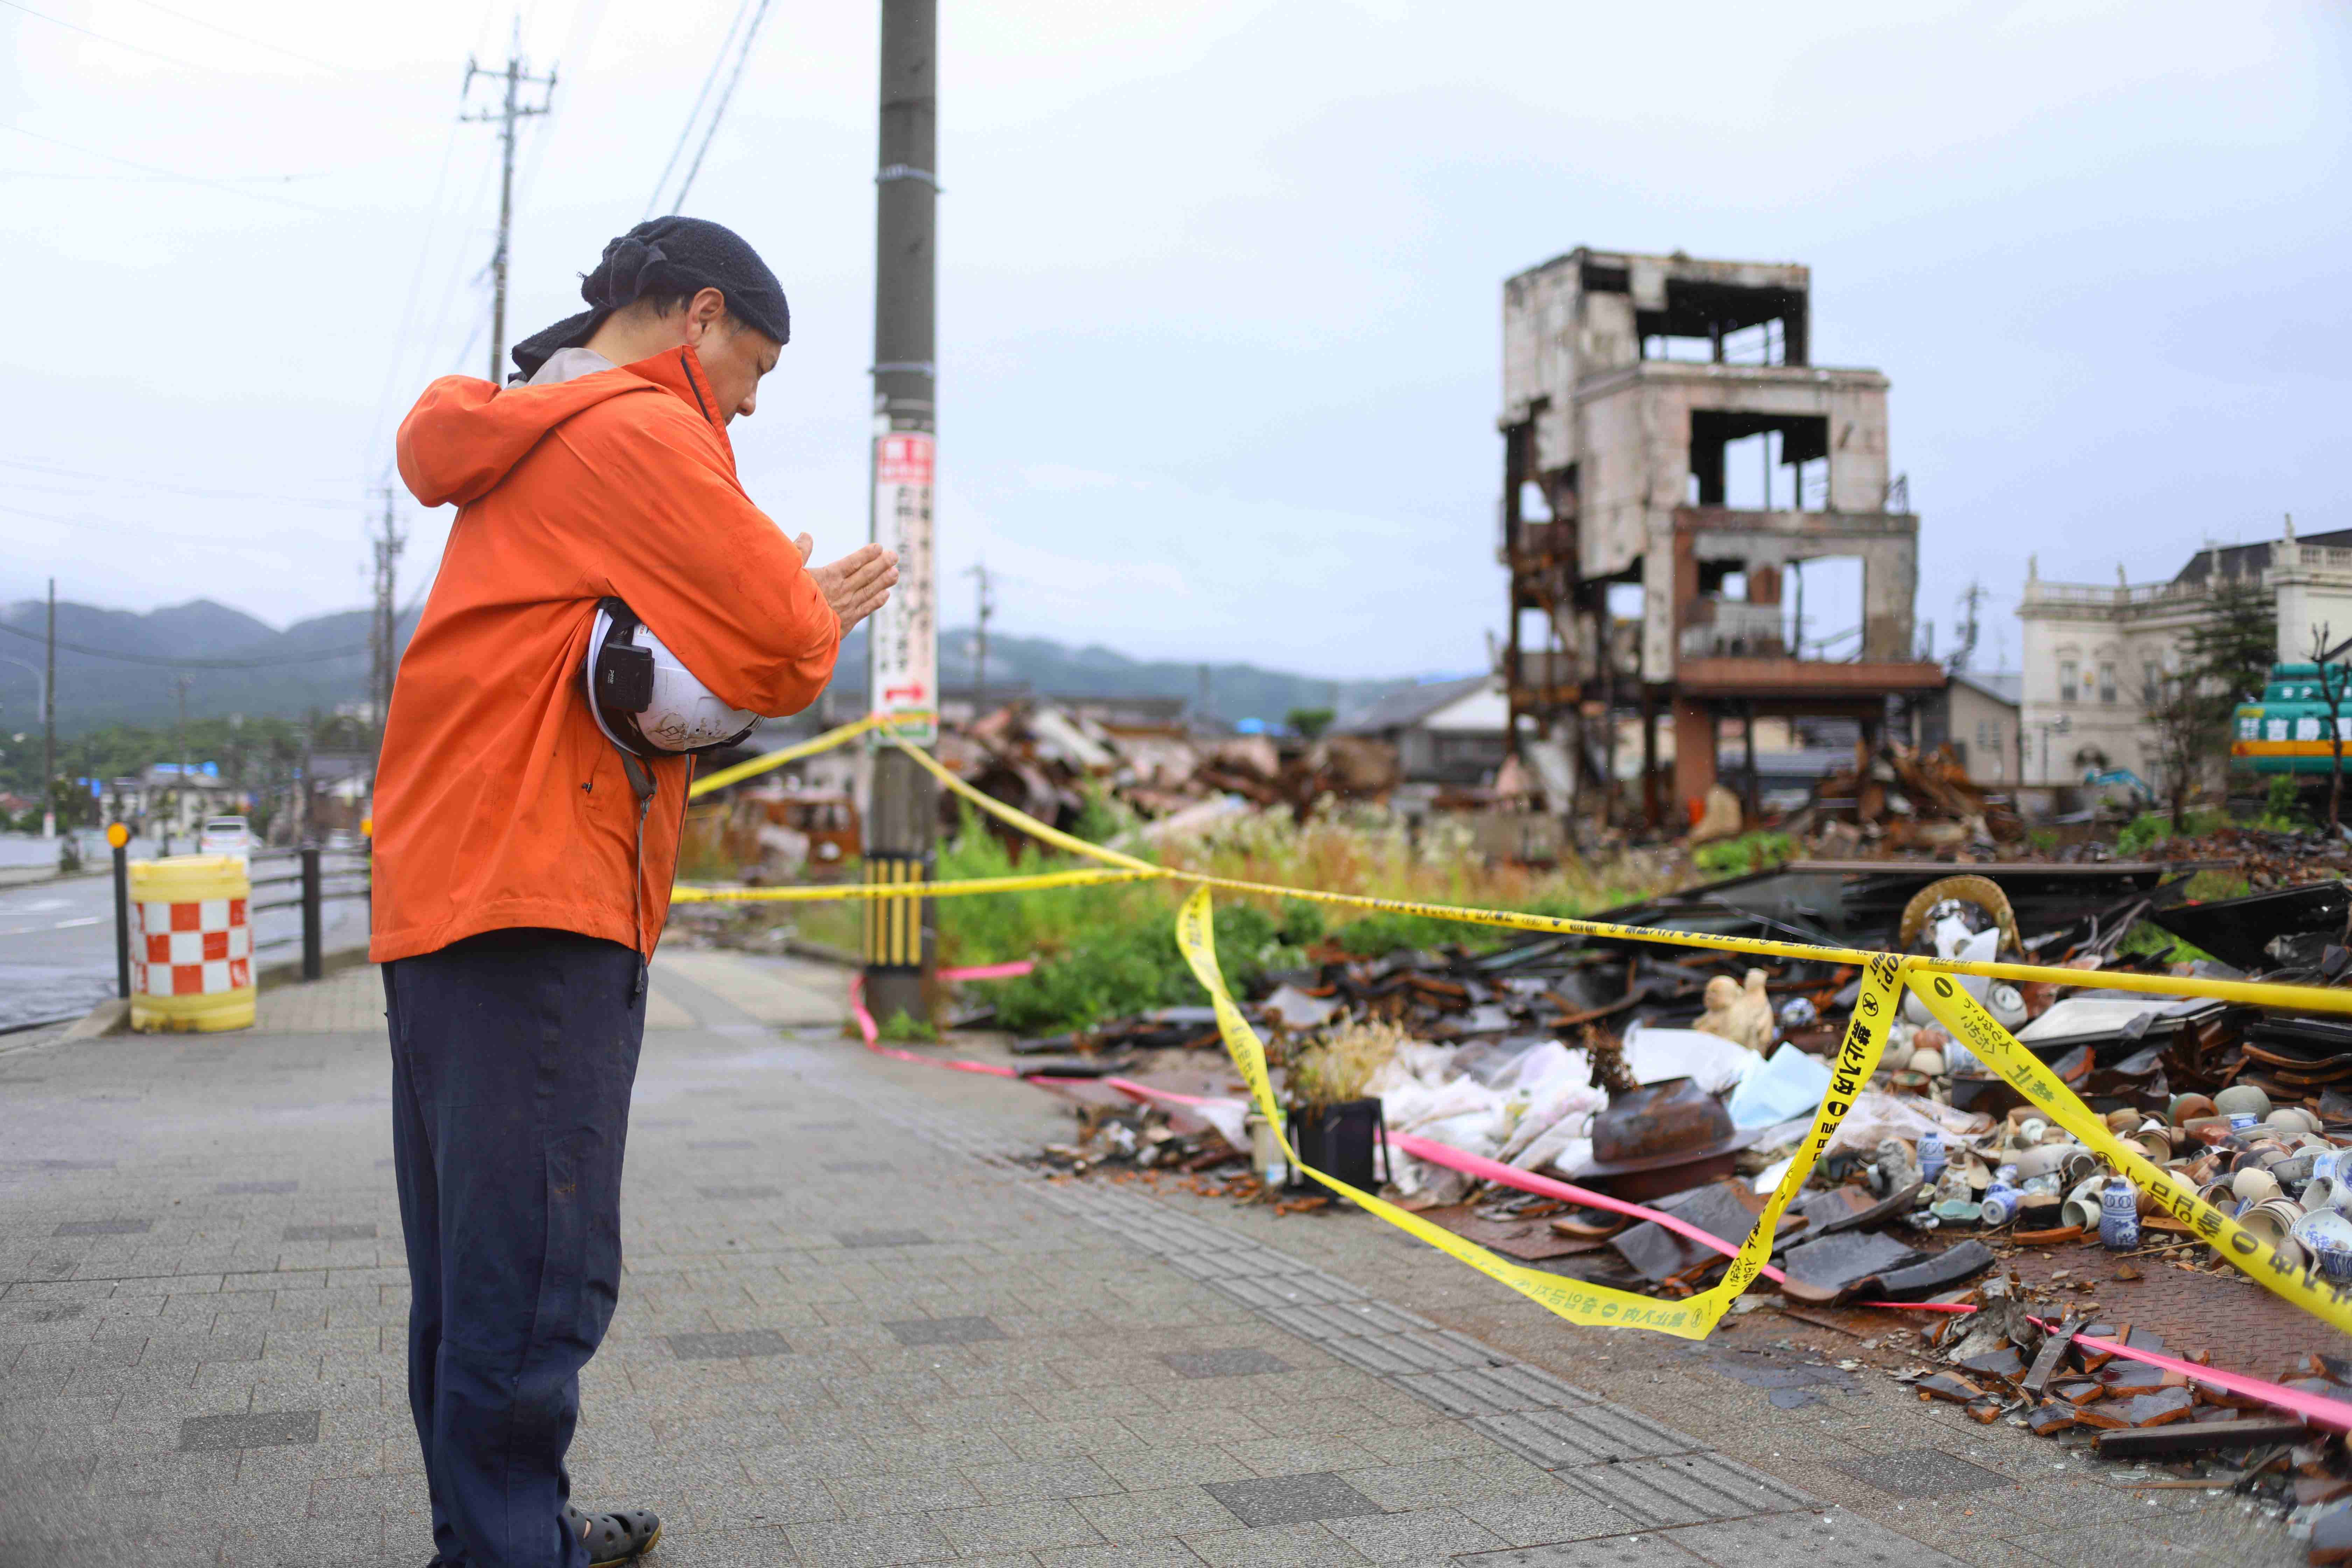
1639 391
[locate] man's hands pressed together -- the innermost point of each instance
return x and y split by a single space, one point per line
856 584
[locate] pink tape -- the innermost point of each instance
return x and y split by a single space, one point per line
2313 1408
2317 1409
1011 971
1528 1181
873 1038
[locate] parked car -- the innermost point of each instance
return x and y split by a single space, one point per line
228 835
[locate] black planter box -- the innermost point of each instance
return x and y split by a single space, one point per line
1343 1140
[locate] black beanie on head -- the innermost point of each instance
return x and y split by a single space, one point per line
668 256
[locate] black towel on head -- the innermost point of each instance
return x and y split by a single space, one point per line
668 254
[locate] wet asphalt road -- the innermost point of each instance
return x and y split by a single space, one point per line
57 938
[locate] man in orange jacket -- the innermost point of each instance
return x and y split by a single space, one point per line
523 863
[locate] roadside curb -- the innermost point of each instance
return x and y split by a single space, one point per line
111 1016
288 972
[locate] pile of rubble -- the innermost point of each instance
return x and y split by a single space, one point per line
1897 800
1045 761
2016 1354
1681 1079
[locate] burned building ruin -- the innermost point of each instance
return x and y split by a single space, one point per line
1639 393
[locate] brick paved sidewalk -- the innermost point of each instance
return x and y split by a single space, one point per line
852 1333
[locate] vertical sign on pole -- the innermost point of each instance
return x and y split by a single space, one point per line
902 668
903 649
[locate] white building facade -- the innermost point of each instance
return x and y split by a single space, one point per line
2096 653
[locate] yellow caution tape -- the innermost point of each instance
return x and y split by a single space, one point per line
793 753
2260 992
1884 977
2000 1050
1022 819
1080 878
1596 1306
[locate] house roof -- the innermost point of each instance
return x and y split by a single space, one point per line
2238 560
2001 688
1402 710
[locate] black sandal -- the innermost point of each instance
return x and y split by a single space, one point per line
615 1538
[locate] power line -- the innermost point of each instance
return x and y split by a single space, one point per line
77 493
147 179
185 490
720 112
457 273
107 522
167 174
587 21
415 286
241 38
717 61
312 657
101 37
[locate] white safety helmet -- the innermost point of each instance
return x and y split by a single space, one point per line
645 699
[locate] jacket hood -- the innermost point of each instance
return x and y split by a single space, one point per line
466 435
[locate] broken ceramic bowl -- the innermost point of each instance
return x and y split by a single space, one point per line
2187 1108
2253 1184
2327 1193
2273 1221
2323 1229
2242 1098
2081 1205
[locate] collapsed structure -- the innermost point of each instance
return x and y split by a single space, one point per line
1631 386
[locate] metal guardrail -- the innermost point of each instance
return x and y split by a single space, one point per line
310 875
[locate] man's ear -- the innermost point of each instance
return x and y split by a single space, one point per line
704 310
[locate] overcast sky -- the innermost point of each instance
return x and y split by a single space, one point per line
1220 283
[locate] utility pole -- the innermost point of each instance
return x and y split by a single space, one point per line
903 650
382 629
511 110
1971 597
303 782
980 659
50 726
180 794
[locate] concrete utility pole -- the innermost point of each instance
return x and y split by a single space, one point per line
50 726
509 111
1972 598
383 661
180 794
903 647
980 657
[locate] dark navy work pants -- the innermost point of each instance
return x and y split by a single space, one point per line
512 1057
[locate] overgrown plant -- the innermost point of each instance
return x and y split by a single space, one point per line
1108 950
1737 857
1340 1066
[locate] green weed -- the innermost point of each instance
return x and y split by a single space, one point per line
1737 857
904 1026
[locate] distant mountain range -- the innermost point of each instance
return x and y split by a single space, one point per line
320 663
312 664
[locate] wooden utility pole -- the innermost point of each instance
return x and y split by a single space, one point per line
903 650
980 657
180 791
50 726
511 110
382 631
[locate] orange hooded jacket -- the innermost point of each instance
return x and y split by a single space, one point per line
498 802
